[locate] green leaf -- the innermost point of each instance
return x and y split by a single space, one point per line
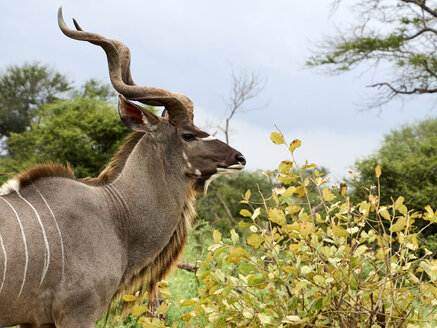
277 138
246 268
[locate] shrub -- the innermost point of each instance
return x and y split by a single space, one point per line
330 263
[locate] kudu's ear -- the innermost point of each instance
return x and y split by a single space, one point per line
165 114
136 117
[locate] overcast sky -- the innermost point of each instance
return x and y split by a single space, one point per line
189 46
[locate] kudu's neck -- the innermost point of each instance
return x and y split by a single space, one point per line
155 198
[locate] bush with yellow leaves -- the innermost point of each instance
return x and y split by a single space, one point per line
325 264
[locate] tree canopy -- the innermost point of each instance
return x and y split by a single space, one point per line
84 132
400 35
23 89
408 159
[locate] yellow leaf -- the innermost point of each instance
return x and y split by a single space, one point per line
162 308
399 225
234 237
384 213
289 192
277 138
294 145
277 216
293 319
318 279
327 194
430 215
129 298
217 236
380 255
399 202
343 189
305 228
285 166
256 213
255 240
264 318
340 231
186 317
189 302
152 323
247 195
378 171
236 255
295 247
360 250
245 213
138 310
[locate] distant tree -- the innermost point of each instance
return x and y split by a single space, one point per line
221 207
84 132
96 89
408 159
400 35
23 89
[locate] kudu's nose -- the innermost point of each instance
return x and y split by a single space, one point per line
240 159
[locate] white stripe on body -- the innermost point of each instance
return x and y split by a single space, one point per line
5 263
57 227
25 244
47 259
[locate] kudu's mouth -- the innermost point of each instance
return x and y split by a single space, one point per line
230 169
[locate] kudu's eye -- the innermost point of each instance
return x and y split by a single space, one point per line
188 137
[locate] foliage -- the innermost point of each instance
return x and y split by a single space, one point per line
23 89
95 89
84 133
343 265
220 207
399 34
408 158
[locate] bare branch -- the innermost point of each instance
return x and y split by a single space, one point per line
187 266
244 88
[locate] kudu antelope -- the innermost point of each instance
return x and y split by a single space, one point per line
68 247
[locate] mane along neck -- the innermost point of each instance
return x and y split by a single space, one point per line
164 261
116 165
